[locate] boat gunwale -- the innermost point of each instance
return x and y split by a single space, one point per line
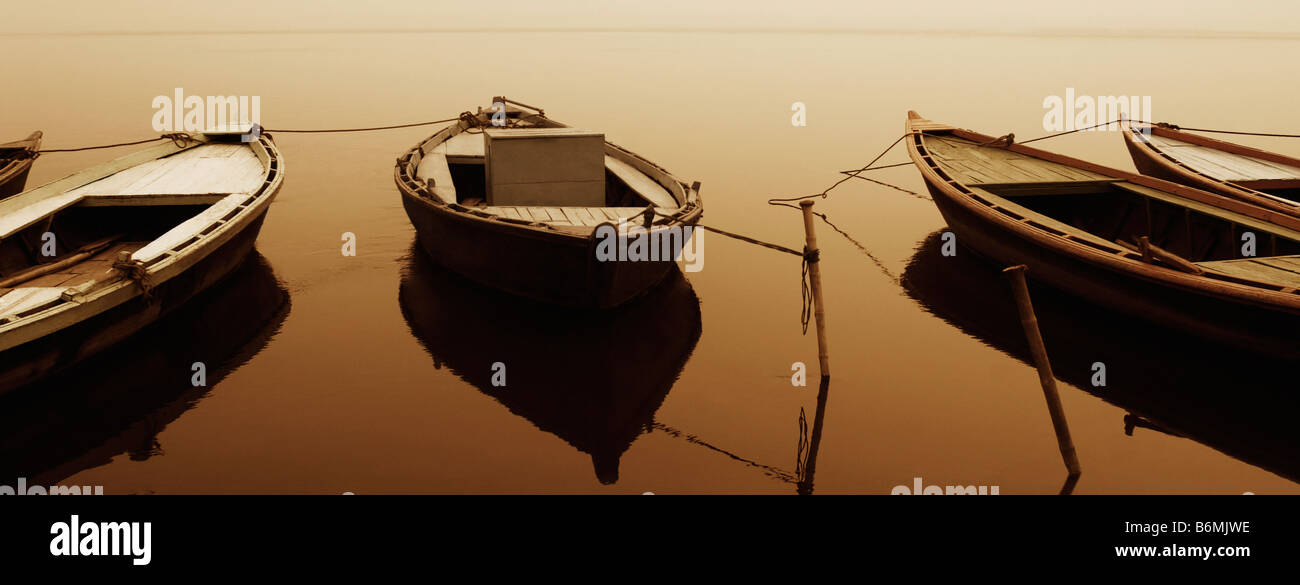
688 213
1171 164
69 309
1121 260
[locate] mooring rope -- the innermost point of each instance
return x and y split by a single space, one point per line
136 270
768 470
807 256
1236 132
181 139
849 175
369 129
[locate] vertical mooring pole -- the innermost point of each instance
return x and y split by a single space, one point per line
815 278
1016 274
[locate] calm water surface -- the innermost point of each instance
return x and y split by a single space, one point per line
364 374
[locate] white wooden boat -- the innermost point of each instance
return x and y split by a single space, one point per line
88 260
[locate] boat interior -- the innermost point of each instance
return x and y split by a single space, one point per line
1274 178
456 168
1100 210
53 240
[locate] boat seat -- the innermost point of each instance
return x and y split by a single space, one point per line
433 167
1224 166
23 299
200 175
567 216
1281 270
191 229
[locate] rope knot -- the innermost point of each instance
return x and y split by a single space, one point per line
136 271
1002 141
811 256
180 139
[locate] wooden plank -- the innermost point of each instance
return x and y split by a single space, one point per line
587 218
14 222
26 298
647 188
465 145
1251 269
556 214
1225 166
206 169
434 166
570 213
971 163
151 199
190 227
1289 264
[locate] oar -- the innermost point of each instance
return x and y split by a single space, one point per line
39 270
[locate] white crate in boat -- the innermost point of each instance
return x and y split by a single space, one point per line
545 166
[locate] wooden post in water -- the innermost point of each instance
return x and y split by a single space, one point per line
1016 274
815 278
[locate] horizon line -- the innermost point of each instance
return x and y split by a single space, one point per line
1025 33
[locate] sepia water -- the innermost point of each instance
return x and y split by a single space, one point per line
369 374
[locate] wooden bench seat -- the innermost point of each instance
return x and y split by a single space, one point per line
1281 270
567 216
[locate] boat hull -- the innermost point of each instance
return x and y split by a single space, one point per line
555 268
32 361
14 184
1224 318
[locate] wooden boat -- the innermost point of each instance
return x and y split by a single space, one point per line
524 217
121 400
88 260
16 160
1081 227
593 379
1226 398
1256 176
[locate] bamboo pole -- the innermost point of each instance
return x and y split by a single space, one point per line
815 278
1016 274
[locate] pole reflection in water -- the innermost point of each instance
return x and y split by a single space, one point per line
119 401
806 465
593 379
1234 401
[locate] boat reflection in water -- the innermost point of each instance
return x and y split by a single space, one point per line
1239 403
594 379
120 400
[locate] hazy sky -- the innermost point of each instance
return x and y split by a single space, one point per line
1267 16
